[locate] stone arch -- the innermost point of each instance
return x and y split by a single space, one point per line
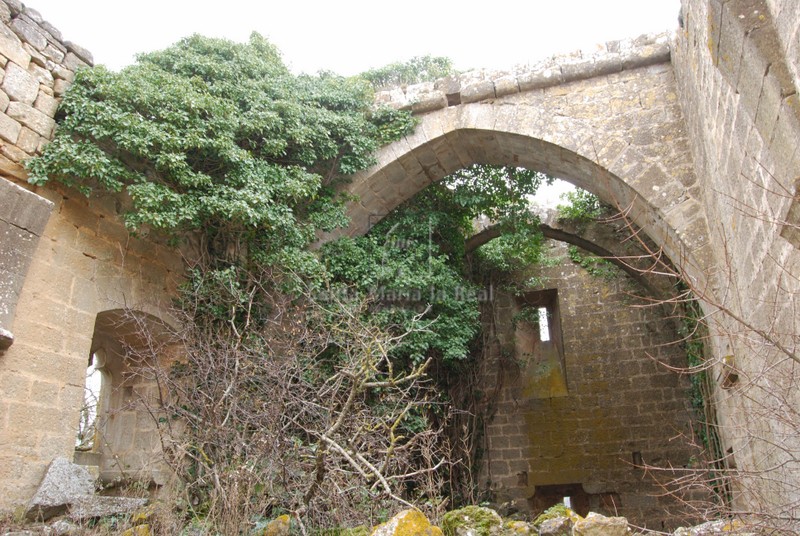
636 256
620 136
127 345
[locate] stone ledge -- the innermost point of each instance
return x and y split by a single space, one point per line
480 85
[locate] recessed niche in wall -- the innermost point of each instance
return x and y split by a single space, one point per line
538 347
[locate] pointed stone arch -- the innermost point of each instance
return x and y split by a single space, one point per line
621 136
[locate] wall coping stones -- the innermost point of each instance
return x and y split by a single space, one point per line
33 29
482 84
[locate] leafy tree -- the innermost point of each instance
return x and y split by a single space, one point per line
216 136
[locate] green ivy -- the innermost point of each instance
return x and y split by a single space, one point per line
596 266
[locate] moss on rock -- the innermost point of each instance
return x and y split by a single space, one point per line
471 521
558 510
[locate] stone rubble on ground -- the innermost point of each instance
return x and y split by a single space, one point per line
559 526
96 506
599 525
480 521
64 484
407 523
468 521
68 489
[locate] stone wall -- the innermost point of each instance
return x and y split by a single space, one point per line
703 152
736 66
481 84
64 259
580 429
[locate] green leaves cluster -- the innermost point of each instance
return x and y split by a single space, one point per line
414 260
581 207
596 266
217 136
417 69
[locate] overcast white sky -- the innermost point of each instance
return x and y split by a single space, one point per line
350 36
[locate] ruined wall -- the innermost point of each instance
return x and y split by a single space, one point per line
59 271
578 431
736 66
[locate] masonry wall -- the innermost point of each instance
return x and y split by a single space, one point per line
59 272
620 408
736 66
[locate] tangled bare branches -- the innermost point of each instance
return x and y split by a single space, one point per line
305 413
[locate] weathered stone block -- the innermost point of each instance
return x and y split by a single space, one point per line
37 58
64 484
54 32
32 118
5 13
28 140
9 128
60 86
451 87
52 53
29 32
33 15
407 522
12 169
428 102
13 152
506 85
539 78
559 526
477 91
81 53
93 507
3 102
46 104
19 84
61 72
41 74
73 62
11 47
15 6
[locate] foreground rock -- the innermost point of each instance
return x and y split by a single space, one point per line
559 526
68 488
94 507
407 523
472 521
469 521
600 525
720 526
63 485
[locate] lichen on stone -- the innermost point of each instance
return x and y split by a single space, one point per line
407 523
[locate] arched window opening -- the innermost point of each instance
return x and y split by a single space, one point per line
86 438
117 433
